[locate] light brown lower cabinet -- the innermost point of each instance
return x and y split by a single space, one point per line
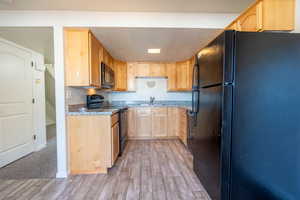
93 143
182 125
143 122
157 123
115 142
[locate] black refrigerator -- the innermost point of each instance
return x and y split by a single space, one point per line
245 133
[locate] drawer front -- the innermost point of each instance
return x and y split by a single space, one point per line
114 119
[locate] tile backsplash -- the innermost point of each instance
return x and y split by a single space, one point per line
78 95
145 88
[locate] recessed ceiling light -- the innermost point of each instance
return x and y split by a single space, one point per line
154 51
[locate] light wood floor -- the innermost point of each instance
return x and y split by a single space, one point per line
147 170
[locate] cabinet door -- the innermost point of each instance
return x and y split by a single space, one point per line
143 122
95 61
77 57
89 152
159 122
183 125
183 76
173 122
251 20
157 70
279 15
143 70
105 57
172 76
131 76
233 26
120 69
115 142
132 122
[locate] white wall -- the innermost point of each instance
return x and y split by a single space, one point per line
144 92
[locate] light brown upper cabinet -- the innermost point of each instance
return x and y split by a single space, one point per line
81 58
266 15
157 70
142 69
171 74
183 76
150 69
120 69
179 74
131 75
159 122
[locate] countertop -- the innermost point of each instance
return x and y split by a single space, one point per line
114 107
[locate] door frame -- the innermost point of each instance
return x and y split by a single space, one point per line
38 93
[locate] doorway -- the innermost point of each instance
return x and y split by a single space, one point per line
27 106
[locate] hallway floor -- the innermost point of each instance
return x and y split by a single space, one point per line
41 164
158 169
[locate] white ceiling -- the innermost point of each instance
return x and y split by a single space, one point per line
37 39
127 44
131 44
217 6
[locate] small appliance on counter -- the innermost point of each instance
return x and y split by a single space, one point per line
94 101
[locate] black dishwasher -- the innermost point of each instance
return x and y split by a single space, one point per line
123 129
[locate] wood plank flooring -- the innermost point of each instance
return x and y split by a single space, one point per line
154 170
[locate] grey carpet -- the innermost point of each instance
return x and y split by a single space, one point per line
41 164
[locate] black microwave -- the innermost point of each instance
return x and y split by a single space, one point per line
107 76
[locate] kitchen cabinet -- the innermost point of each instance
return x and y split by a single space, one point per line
81 58
157 70
266 15
143 122
131 76
159 122
105 57
115 142
173 122
93 143
142 69
183 125
171 74
183 76
252 20
120 69
131 122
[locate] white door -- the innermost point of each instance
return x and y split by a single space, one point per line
16 124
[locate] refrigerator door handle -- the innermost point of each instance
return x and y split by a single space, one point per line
195 102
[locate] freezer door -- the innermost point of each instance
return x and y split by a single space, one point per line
266 117
210 61
205 143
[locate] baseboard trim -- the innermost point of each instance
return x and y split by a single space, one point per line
62 174
40 147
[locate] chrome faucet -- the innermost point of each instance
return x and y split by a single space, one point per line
152 99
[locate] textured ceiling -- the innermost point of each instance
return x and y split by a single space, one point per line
218 6
131 44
